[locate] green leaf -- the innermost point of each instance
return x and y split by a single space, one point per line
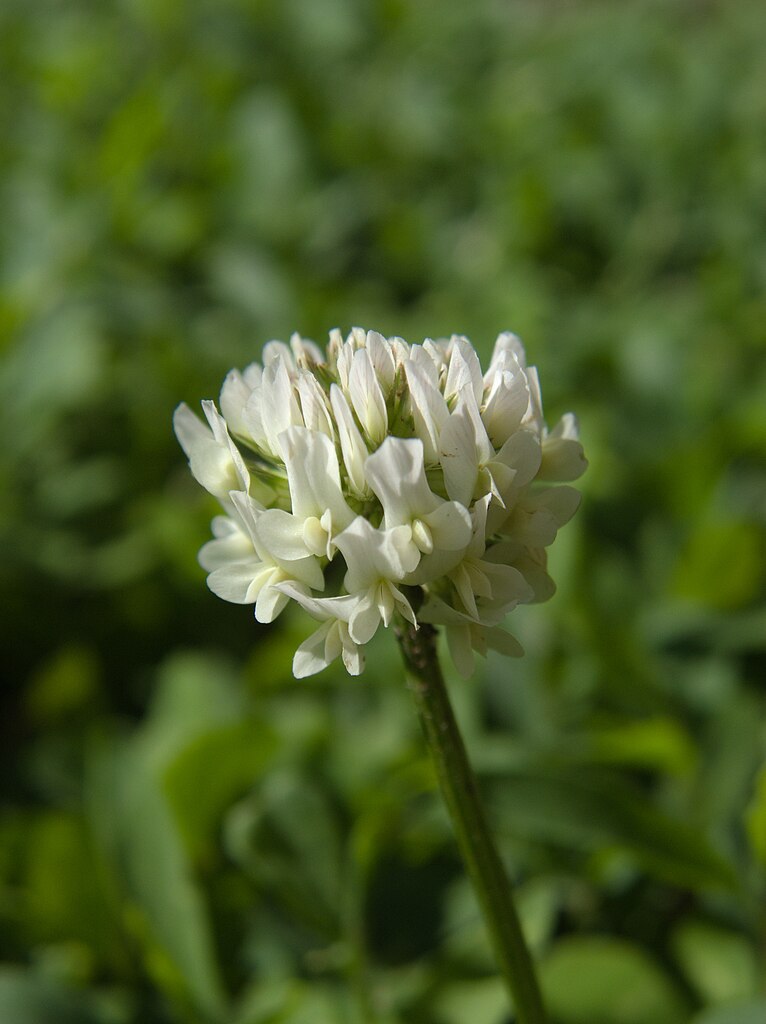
63 685
65 899
721 566
594 980
732 754
756 818
286 836
719 963
466 937
589 810
484 1001
133 820
29 998
193 694
656 743
735 1013
154 800
283 1001
210 773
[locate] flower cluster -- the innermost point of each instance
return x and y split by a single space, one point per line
383 478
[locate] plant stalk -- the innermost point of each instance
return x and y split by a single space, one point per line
460 791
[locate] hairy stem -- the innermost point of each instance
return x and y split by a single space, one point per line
461 794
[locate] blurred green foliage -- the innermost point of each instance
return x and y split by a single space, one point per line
186 834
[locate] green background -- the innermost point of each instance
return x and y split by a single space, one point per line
186 833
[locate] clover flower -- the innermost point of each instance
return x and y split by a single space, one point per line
383 478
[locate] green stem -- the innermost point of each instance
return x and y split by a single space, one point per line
461 794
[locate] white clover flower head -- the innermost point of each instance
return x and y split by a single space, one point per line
382 478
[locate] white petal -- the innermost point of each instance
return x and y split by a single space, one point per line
365 618
352 654
281 534
384 598
464 371
438 612
537 519
278 352
224 526
253 375
479 639
437 351
399 349
479 520
396 473
305 570
431 567
221 434
382 359
334 346
505 551
215 421
508 585
532 567
215 462
247 511
467 402
450 525
279 404
367 396
314 406
311 656
334 641
563 458
422 536
427 405
239 582
457 451
567 427
561 502
305 352
499 479
504 643
507 345
398 554
479 577
314 476
373 555
252 419
213 467
506 403
464 586
316 535
343 364
403 605
269 604
352 446
460 648
321 608
235 393
189 429
420 358
533 417
522 453
236 547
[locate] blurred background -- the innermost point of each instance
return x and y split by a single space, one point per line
186 833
